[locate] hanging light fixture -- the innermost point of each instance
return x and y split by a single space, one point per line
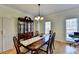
39 17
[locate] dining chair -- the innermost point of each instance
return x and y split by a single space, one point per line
54 34
48 46
53 41
19 47
36 34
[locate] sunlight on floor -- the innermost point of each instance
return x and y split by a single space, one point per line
70 49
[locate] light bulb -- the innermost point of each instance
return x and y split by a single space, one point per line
41 18
38 17
35 18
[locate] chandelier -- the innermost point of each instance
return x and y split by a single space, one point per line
39 17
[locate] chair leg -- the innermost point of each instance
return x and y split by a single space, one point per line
36 52
51 51
31 52
47 50
53 46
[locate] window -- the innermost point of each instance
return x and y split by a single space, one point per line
47 27
71 27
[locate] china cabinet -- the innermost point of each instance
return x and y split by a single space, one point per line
25 27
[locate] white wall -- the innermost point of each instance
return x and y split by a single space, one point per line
58 20
0 34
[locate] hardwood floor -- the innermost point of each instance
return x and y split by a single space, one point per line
60 48
11 51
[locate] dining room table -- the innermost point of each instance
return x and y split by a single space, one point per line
35 42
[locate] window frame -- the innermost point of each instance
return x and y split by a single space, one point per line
69 29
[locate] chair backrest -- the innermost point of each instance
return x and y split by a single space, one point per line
53 38
51 41
36 33
16 44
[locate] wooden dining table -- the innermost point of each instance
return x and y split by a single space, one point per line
35 42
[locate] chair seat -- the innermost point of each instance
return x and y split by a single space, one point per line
36 45
23 50
44 47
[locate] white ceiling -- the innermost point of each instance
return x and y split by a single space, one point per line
45 9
